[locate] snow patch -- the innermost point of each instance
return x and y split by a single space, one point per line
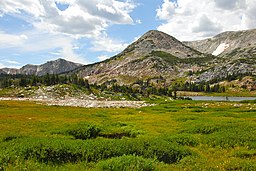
220 49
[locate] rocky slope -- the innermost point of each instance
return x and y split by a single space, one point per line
52 67
155 54
236 53
232 39
9 71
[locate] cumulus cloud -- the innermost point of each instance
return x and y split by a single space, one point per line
167 10
80 19
10 40
44 42
29 6
190 20
230 4
204 24
104 43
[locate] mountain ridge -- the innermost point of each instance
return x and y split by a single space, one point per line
159 57
51 67
235 39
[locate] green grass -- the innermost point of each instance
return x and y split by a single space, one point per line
173 135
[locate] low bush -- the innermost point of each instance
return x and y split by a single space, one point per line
240 165
127 163
182 139
86 131
59 151
10 137
235 135
245 153
203 129
82 131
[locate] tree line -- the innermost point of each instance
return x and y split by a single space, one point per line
142 87
33 80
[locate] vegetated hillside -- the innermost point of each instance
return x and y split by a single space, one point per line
155 56
51 67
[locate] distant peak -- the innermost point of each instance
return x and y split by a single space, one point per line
59 59
153 33
157 35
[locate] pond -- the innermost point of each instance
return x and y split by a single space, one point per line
221 98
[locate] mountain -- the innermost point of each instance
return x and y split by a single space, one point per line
230 40
155 56
159 58
236 51
9 71
52 67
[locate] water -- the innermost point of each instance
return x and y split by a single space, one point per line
221 98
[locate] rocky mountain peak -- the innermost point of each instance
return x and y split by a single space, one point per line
59 60
156 36
154 40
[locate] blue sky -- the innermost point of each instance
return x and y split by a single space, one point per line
87 31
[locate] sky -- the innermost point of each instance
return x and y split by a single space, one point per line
88 31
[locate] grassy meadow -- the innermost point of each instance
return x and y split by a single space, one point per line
172 135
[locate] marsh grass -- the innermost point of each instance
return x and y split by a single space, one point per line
173 135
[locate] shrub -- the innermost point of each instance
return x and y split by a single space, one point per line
126 163
240 165
239 134
182 139
49 150
82 131
10 137
203 129
245 153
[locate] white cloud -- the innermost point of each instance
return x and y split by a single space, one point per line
138 21
167 10
44 42
67 53
190 20
230 4
53 28
103 57
104 43
2 65
204 24
84 18
10 40
30 6
10 61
